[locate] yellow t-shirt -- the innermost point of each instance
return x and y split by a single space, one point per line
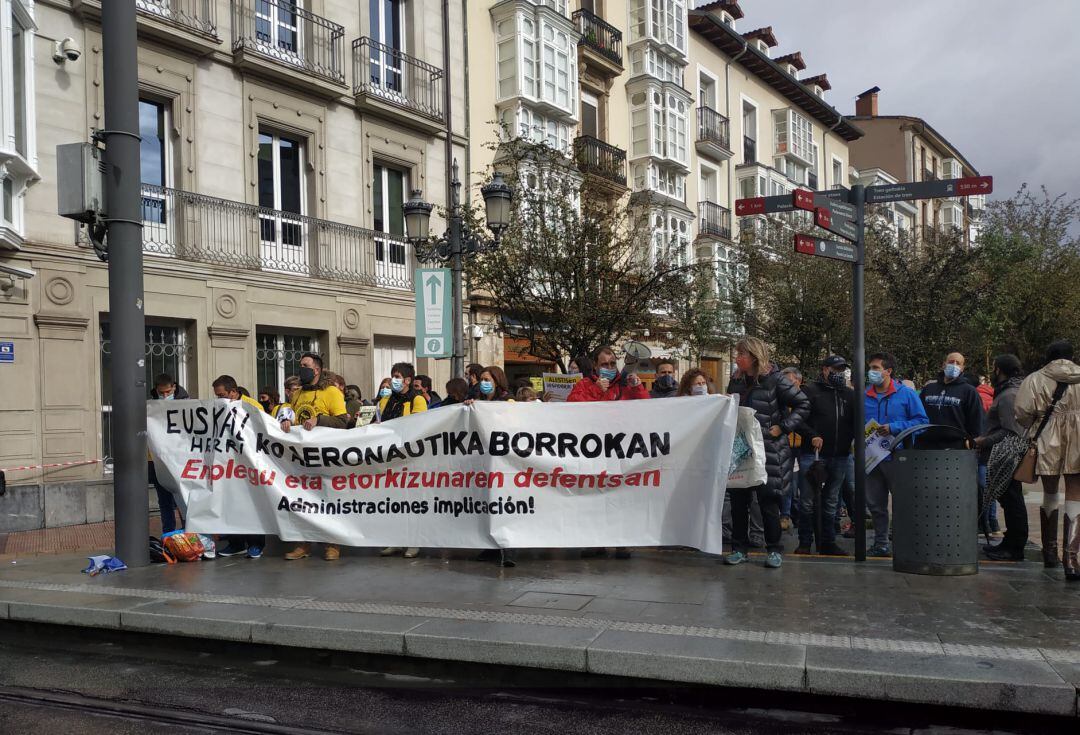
252 402
311 403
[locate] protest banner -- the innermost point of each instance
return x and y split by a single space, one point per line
877 445
524 475
559 385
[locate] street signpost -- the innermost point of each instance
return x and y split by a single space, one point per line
808 245
965 187
843 212
782 203
434 323
843 226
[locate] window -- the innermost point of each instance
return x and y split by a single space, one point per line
794 135
536 58
276 27
590 114
749 128
9 201
659 125
277 356
837 173
281 193
707 190
19 42
166 352
154 169
388 194
17 147
663 21
706 91
387 29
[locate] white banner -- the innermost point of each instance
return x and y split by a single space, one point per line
514 475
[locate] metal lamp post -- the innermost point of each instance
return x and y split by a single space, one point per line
458 242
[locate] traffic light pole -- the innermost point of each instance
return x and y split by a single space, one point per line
858 365
127 322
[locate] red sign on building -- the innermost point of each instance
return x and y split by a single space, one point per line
753 205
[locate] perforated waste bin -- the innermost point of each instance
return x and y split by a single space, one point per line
935 500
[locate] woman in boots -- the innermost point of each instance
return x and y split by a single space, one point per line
1058 450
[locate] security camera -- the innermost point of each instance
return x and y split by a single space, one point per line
66 50
477 332
14 270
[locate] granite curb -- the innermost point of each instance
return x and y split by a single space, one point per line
971 677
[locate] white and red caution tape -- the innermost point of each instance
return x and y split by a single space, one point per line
51 466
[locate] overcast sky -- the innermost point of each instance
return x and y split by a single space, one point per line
1000 79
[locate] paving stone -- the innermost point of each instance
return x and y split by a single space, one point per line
536 646
1001 684
618 609
66 608
552 601
336 631
196 619
700 660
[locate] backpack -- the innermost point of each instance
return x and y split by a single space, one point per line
183 546
158 554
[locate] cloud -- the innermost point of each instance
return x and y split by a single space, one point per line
999 79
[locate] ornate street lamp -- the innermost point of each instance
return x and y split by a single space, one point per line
458 241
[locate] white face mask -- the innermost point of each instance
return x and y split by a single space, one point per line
700 390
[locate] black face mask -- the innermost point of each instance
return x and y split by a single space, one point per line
307 375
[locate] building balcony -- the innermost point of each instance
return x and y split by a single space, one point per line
929 175
601 42
188 24
393 83
278 39
749 147
594 157
195 227
714 221
713 134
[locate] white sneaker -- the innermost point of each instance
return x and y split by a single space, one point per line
412 552
390 551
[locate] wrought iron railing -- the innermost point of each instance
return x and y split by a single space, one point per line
749 147
929 175
193 15
283 31
599 35
594 156
714 220
197 227
713 127
397 78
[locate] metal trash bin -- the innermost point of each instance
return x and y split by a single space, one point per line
935 503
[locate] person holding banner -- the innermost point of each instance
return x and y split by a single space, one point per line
604 382
781 408
493 386
251 546
317 402
405 397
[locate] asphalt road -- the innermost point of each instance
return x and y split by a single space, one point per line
57 680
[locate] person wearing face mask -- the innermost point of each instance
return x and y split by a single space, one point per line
317 402
1000 424
269 400
951 400
896 408
666 384
780 408
827 434
404 398
234 545
695 383
492 386
165 389
602 381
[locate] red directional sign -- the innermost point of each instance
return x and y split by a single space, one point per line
803 199
975 185
823 217
745 207
808 245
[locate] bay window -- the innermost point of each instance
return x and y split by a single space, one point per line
536 59
661 21
794 135
671 238
524 122
659 124
18 157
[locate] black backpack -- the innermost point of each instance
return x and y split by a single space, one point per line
158 554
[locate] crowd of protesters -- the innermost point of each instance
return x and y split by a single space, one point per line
807 430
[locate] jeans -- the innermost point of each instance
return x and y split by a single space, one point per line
1016 520
837 467
877 498
791 493
740 518
990 517
165 500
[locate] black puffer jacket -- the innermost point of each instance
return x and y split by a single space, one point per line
777 403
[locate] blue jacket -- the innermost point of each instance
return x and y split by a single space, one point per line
899 407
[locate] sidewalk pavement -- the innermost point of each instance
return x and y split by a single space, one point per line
1006 639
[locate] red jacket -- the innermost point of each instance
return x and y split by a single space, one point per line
587 389
986 393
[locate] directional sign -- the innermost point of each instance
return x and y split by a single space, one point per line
836 224
826 248
434 322
930 189
781 202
